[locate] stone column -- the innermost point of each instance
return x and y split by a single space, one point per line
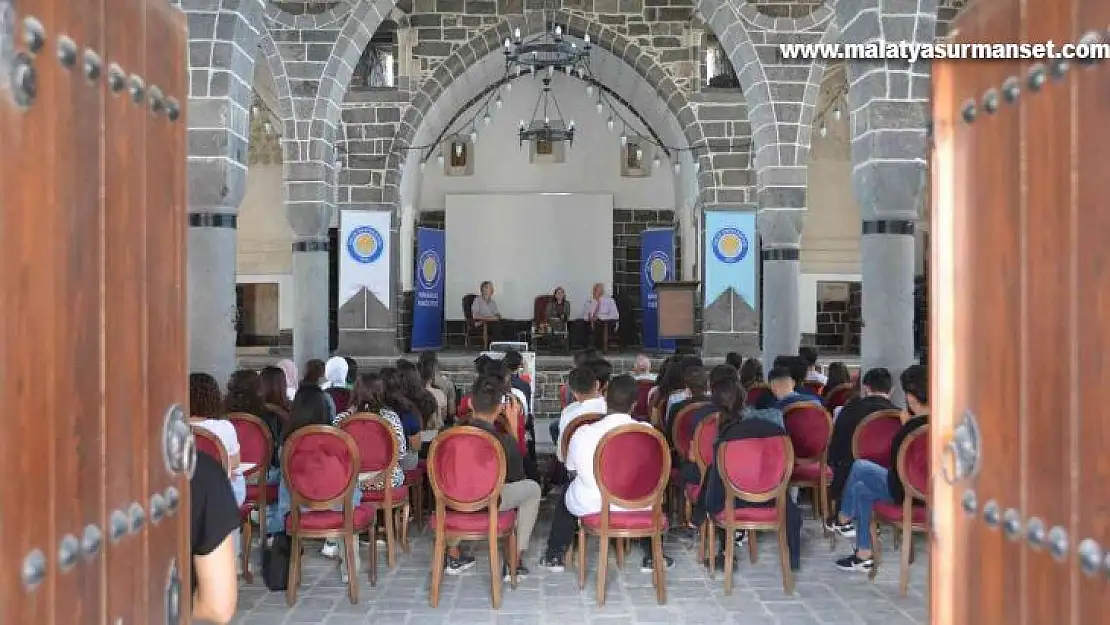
367 325
781 219
211 288
309 213
730 323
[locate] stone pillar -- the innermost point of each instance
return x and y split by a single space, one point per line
781 219
730 323
211 289
367 325
309 213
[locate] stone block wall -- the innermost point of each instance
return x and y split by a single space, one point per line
835 319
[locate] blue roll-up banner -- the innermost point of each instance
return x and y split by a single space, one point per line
427 305
731 258
656 265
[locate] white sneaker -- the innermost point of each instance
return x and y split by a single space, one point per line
330 550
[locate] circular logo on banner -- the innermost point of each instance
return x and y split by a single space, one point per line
364 244
656 268
428 270
730 245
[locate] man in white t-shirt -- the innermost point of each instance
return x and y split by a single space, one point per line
586 389
583 497
813 373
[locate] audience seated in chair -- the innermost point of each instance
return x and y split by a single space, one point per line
808 354
484 311
552 317
583 496
875 396
335 383
641 369
586 389
751 373
711 501
695 383
786 382
519 493
870 483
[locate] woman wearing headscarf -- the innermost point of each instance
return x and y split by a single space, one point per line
292 380
335 383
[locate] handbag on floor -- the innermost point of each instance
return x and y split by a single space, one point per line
275 562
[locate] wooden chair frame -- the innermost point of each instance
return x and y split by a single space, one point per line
905 526
820 486
699 457
540 322
847 387
473 326
490 503
763 386
654 499
572 427
261 502
890 413
730 525
389 507
199 432
348 533
678 494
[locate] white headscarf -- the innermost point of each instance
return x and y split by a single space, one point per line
335 373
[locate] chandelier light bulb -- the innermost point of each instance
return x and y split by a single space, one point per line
697 165
487 119
587 39
522 124
267 127
600 107
677 167
474 136
499 102
571 125
338 163
546 121
423 165
655 162
836 113
439 159
558 31
823 131
516 34
610 123
254 110
508 44
624 139
589 90
640 154
550 71
458 150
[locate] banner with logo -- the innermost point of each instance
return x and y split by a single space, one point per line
427 302
364 255
730 259
656 265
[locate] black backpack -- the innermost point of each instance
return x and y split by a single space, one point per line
275 562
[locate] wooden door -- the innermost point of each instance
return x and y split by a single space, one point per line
93 493
1020 313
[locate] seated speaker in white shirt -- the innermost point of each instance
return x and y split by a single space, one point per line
599 312
583 497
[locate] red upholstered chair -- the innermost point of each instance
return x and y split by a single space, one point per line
813 387
681 436
641 410
755 393
874 436
754 470
701 453
209 443
572 427
565 397
839 395
256 445
912 515
463 410
631 464
379 453
320 466
810 428
466 466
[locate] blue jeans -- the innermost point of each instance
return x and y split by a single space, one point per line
866 486
275 514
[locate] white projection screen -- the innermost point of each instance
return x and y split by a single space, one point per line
527 244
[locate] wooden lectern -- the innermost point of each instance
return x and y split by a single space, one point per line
676 301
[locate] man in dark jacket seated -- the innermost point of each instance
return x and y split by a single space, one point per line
711 499
868 483
874 396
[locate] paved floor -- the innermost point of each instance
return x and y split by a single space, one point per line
824 595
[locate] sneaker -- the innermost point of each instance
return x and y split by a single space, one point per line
855 563
847 530
741 538
647 565
522 572
456 566
330 550
553 563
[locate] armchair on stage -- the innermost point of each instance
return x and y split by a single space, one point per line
480 331
542 329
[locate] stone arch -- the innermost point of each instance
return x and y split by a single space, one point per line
309 21
733 25
489 41
277 70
